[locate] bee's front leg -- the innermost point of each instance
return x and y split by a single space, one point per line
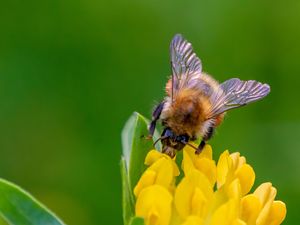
205 138
155 116
200 147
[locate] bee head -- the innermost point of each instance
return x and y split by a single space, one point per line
169 138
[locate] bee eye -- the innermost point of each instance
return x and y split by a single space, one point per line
167 132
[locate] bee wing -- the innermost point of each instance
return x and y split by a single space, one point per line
235 93
184 62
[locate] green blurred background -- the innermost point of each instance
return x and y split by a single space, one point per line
72 72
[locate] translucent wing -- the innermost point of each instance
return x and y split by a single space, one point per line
235 93
184 62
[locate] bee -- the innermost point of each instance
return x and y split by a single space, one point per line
195 103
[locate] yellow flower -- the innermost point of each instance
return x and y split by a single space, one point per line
192 195
162 170
260 208
154 204
202 162
207 194
231 167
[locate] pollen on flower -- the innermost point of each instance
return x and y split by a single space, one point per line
209 193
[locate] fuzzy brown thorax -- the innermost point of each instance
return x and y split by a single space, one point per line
187 113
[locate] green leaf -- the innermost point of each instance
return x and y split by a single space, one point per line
18 207
136 146
127 198
178 160
137 221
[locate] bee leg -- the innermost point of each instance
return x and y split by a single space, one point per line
205 138
155 116
200 147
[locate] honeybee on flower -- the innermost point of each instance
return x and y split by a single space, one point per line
196 103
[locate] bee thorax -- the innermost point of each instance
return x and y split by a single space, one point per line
187 113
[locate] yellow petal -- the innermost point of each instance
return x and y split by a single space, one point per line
197 179
160 172
152 157
242 161
225 214
203 162
206 152
198 202
164 172
153 216
154 205
273 213
265 192
189 149
186 191
193 220
187 162
246 176
175 218
235 160
176 171
223 167
183 196
277 213
155 155
238 222
233 190
147 179
264 214
208 168
250 208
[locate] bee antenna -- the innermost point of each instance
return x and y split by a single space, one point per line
161 138
186 143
